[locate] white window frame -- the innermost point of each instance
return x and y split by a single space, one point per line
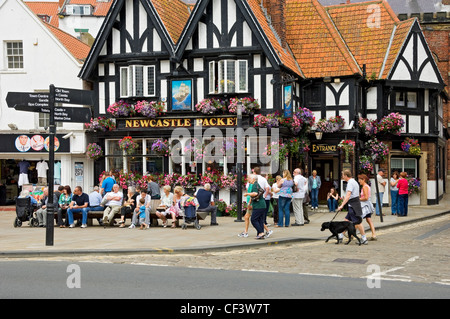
403 164
131 81
222 75
13 56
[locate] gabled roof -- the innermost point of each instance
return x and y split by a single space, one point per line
174 14
318 47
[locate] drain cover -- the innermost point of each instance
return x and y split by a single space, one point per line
350 261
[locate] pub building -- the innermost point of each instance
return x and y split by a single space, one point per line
286 55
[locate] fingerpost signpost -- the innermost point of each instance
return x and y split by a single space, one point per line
45 103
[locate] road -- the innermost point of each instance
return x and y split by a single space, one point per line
410 261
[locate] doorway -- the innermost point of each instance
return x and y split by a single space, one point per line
327 169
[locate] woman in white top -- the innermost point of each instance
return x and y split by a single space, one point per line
166 203
366 203
275 196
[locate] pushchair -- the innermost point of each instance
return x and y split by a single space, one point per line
190 214
25 212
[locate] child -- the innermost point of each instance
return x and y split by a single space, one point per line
332 199
142 214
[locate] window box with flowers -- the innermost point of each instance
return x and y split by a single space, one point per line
101 124
94 151
392 124
332 125
267 121
121 109
210 106
411 146
149 109
127 145
249 105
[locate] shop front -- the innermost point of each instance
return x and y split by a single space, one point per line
24 162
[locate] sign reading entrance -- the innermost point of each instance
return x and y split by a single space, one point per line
177 122
324 148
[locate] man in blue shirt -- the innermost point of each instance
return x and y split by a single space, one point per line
206 200
107 184
80 203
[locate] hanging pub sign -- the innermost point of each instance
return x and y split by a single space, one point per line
287 99
170 123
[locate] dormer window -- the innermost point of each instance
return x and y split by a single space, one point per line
82 10
228 76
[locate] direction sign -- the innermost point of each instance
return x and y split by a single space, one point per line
62 95
73 96
62 114
27 99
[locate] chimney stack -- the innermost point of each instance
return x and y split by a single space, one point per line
276 11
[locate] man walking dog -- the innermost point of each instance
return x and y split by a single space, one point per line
354 205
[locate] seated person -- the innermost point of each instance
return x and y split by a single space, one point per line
41 213
166 202
206 201
64 201
113 202
129 205
146 204
332 200
80 203
95 199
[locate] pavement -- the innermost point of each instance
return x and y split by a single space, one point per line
29 241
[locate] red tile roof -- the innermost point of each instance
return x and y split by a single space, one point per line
78 49
46 8
174 14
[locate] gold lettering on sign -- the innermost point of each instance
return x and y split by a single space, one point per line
323 148
187 122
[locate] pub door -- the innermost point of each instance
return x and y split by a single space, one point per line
325 168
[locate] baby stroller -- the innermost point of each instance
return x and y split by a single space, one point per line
25 212
191 216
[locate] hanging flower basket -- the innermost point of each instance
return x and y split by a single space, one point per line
411 146
414 185
128 145
267 121
348 146
365 165
379 151
161 147
277 150
94 151
194 149
210 106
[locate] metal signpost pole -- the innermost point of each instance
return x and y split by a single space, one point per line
240 159
49 234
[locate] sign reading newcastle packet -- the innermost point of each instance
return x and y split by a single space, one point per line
45 103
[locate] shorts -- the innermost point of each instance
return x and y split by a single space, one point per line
249 210
352 217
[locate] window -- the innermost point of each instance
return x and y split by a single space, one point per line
408 165
44 120
78 9
408 99
14 54
228 76
137 80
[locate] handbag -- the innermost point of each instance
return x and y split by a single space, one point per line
260 192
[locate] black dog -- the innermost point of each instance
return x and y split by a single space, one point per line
339 227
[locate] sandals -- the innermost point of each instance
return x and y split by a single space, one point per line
260 237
